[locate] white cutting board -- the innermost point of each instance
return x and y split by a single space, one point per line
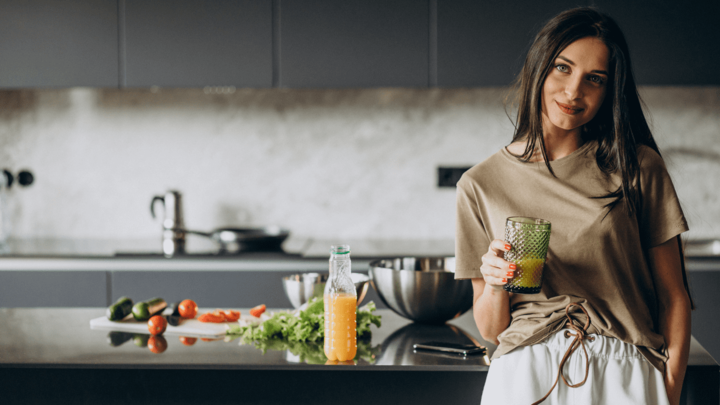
188 327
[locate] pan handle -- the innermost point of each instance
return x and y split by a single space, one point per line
205 234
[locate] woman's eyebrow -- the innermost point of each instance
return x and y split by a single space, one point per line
602 72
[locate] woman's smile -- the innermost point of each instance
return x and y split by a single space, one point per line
568 109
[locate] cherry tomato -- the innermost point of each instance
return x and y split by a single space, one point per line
157 344
188 309
232 316
188 341
258 310
212 317
157 325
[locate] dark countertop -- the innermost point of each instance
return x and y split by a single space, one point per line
62 338
52 356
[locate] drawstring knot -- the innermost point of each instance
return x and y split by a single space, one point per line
579 340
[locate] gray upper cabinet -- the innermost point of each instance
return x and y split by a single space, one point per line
483 43
671 42
196 43
50 43
354 43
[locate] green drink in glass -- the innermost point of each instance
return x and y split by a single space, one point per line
530 238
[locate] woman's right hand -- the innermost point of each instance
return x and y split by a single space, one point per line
495 269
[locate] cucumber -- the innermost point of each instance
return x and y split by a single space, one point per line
142 311
175 307
120 309
173 320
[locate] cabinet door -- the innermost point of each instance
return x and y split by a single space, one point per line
50 43
354 43
484 43
671 42
196 43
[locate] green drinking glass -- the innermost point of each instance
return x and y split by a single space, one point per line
529 238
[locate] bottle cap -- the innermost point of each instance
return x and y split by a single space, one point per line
340 249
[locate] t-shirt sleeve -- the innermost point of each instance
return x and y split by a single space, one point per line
661 216
471 240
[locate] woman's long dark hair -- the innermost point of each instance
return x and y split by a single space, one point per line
619 125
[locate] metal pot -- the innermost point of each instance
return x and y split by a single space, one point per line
422 289
235 240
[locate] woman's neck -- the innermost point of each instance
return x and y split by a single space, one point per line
558 144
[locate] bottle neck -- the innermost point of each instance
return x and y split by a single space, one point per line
340 264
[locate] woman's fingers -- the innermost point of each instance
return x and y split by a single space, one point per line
499 247
496 270
497 273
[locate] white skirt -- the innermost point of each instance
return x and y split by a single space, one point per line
618 375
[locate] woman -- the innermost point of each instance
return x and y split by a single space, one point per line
612 321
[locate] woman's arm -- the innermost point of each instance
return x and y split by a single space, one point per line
491 303
674 313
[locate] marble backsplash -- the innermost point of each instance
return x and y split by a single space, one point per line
346 164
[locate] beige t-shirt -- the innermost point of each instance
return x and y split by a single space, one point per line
596 260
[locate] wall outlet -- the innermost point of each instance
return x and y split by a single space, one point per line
449 176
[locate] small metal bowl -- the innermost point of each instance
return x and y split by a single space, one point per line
299 288
422 289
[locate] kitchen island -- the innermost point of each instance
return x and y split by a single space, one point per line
51 355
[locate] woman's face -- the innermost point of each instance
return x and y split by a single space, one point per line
574 89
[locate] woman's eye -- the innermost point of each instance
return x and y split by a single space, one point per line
562 68
597 79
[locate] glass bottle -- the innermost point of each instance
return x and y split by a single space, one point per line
340 299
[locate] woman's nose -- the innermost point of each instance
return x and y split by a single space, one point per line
573 88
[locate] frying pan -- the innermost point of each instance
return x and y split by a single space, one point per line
235 240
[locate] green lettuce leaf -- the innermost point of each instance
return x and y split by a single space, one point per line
303 333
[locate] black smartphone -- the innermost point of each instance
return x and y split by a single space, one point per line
449 348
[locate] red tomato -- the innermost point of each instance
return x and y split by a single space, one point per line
212 317
188 341
232 316
157 325
188 309
157 344
258 310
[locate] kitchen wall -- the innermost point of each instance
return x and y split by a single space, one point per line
323 163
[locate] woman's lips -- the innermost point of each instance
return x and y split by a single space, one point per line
568 109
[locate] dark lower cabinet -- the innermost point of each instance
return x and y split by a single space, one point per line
255 387
54 289
273 387
221 289
50 43
704 287
214 289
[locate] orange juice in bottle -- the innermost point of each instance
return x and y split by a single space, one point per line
340 298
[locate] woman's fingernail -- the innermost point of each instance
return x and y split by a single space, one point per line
504 280
509 274
507 247
513 266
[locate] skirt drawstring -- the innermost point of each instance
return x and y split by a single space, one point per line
579 340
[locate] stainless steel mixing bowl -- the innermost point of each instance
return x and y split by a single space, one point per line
422 289
299 288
